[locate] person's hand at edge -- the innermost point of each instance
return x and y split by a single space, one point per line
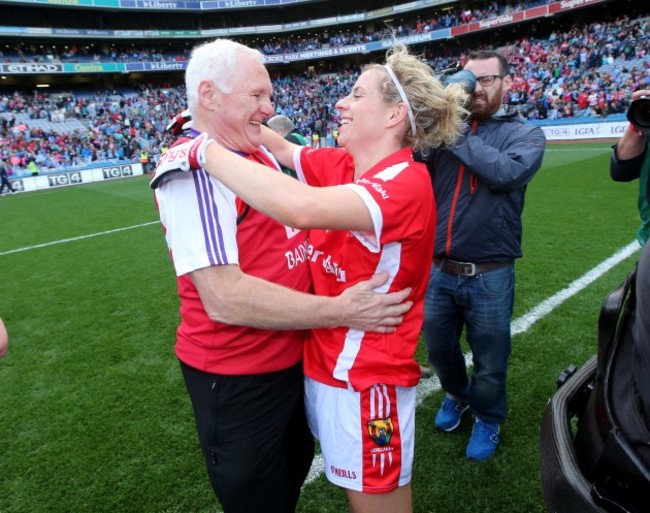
180 123
4 339
183 157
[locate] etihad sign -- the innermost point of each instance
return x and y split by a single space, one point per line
35 67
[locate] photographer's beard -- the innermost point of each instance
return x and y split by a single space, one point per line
483 105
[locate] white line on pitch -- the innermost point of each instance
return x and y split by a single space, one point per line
524 322
73 239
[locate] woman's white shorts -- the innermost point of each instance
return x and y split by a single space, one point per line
367 438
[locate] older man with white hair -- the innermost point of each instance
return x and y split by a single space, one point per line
245 291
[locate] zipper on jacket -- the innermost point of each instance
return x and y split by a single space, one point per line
459 182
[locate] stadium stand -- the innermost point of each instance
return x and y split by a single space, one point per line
561 69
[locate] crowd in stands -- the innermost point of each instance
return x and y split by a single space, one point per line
26 51
573 74
116 126
566 75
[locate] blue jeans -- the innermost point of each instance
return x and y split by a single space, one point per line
483 305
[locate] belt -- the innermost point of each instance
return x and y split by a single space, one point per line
466 268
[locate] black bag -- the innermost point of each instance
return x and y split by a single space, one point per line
606 466
613 439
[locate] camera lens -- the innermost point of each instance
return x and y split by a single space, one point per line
464 77
639 113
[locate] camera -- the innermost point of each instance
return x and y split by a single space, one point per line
639 113
457 75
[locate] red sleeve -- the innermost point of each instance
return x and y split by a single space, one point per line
325 166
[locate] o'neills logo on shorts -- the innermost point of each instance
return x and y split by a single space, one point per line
343 472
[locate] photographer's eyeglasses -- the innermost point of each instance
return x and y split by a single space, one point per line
488 80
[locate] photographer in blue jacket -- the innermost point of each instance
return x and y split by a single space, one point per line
479 187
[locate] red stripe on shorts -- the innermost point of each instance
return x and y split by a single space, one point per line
382 454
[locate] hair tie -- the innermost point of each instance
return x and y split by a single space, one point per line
402 95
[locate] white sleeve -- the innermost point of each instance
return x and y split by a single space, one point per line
370 239
199 217
297 166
